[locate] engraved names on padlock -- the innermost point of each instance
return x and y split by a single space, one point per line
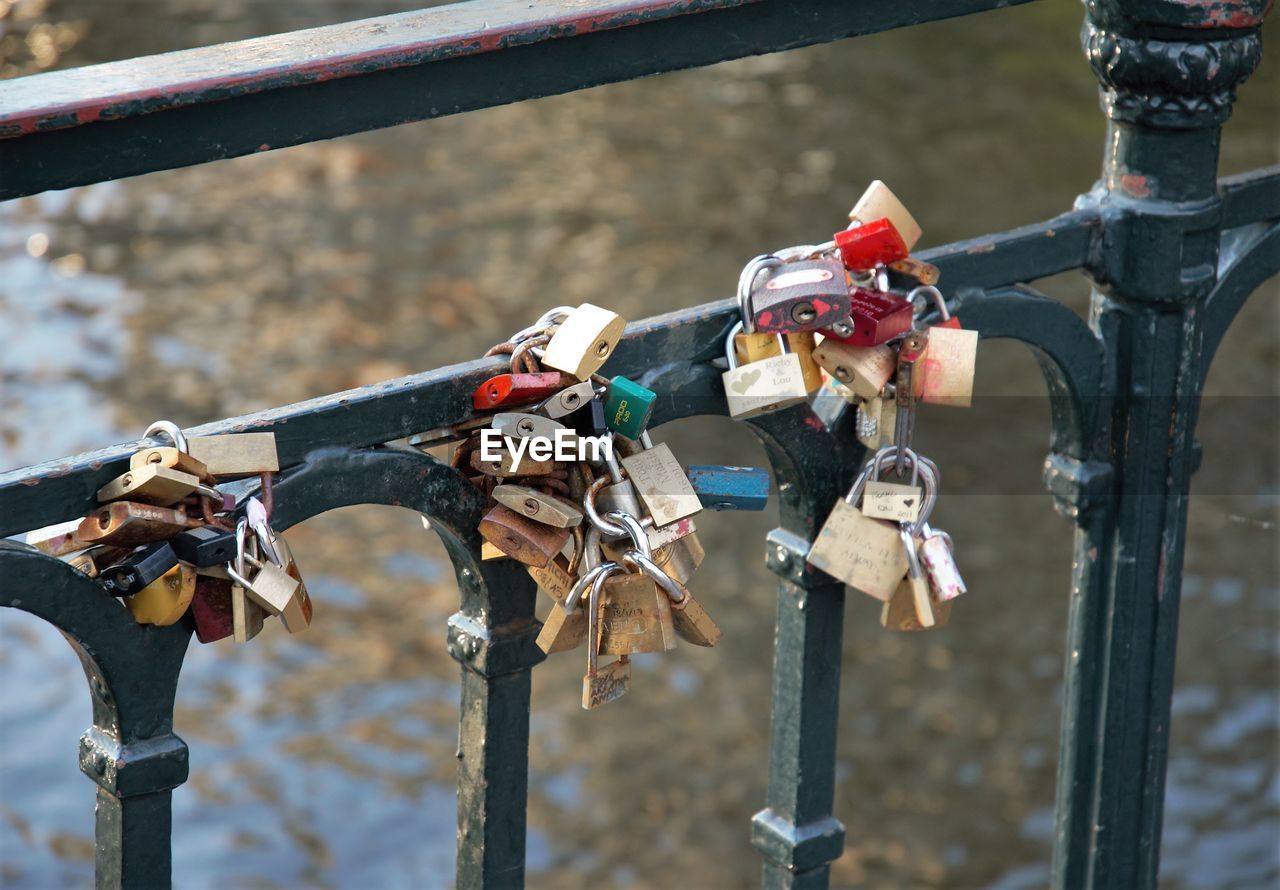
891 501
864 553
662 484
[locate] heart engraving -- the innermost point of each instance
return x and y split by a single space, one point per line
907 502
745 382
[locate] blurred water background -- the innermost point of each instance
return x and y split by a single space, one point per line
327 759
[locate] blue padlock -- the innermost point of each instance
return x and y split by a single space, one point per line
731 488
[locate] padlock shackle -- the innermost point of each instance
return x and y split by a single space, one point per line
928 290
170 429
745 280
602 573
914 571
639 538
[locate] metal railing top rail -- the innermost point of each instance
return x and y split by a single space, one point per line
101 122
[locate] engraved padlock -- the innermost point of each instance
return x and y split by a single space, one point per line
628 407
767 385
635 616
566 625
602 685
863 369
756 346
661 482
912 606
866 553
805 295
875 317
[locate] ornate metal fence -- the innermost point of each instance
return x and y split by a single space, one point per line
1172 252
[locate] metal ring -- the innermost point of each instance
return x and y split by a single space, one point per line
928 290
170 429
573 599
674 592
633 528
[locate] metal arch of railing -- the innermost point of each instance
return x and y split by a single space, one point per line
1172 252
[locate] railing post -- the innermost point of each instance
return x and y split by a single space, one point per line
1168 72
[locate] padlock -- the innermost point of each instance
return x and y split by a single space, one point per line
689 619
236 455
628 407
730 488
584 340
57 540
568 400
165 600
947 370
863 369
169 457
555 577
877 202
538 506
754 347
801 296
139 570
635 616
247 617
669 534
507 464
211 609
270 586
149 485
925 273
763 386
661 484
874 318
522 539
205 546
517 425
912 606
892 501
298 612
589 420
602 685
865 553
871 244
490 551
938 559
508 390
566 624
679 558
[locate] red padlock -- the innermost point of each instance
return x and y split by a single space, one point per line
800 296
872 244
518 389
874 318
211 608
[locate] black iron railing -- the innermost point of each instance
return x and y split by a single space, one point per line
1173 254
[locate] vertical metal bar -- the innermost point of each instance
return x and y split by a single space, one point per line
1155 266
799 836
132 840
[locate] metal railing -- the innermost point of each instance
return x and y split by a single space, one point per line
1173 254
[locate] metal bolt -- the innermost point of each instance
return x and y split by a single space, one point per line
783 556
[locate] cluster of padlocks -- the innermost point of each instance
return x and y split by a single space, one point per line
164 541
826 315
599 514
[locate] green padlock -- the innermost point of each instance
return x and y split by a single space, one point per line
627 407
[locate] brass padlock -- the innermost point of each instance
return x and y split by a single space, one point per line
602 685
567 622
863 369
912 606
756 347
271 587
169 457
635 616
520 538
164 600
151 484
691 622
538 506
584 340
767 385
679 559
247 617
236 455
946 373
